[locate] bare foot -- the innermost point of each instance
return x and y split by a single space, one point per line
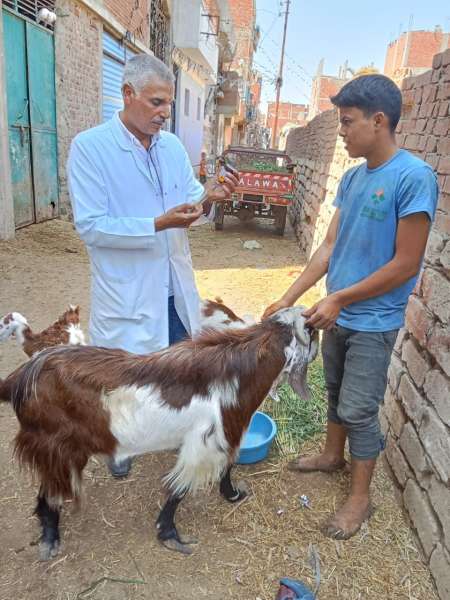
317 462
349 518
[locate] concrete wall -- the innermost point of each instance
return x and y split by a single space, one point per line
416 412
188 128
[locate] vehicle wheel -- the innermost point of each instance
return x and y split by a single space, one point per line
280 213
218 217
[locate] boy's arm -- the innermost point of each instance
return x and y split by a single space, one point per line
411 239
314 270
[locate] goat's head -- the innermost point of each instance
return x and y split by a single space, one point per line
301 351
71 316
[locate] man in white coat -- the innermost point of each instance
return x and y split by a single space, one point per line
134 194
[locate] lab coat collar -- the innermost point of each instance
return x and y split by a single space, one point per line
125 138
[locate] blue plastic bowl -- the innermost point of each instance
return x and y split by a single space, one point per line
257 441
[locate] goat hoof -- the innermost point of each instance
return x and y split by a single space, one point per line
188 541
48 550
176 546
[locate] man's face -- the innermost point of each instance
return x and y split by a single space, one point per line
148 109
358 131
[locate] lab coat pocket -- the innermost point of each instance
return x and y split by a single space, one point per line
114 299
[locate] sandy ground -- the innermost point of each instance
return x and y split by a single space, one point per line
109 549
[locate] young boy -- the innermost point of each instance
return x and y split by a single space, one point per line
372 254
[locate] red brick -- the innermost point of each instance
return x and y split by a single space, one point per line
436 294
440 568
417 365
436 440
444 202
437 61
429 93
445 188
439 346
443 109
441 126
431 144
418 321
442 222
412 400
444 91
437 389
422 516
432 160
446 57
444 165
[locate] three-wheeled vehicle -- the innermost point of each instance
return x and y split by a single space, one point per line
265 186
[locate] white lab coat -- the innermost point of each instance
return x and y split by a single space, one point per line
115 203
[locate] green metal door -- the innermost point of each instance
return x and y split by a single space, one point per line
18 118
30 89
41 84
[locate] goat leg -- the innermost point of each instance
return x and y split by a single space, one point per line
229 491
49 520
167 532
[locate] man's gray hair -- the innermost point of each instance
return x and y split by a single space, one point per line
142 69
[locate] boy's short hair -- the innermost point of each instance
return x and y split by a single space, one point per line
372 93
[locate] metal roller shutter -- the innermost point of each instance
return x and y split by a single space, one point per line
115 53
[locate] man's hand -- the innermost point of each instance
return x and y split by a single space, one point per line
273 308
181 216
324 313
221 191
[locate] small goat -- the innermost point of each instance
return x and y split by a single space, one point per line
197 396
66 330
215 314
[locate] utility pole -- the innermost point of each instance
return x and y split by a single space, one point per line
280 76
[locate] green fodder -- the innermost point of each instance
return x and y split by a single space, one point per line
298 419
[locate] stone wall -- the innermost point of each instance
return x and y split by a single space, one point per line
416 412
78 71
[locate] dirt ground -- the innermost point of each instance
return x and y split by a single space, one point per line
109 550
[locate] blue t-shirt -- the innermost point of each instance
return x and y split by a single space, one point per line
371 202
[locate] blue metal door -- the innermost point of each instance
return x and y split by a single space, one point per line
18 118
41 83
30 90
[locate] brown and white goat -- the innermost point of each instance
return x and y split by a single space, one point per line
66 330
215 314
197 396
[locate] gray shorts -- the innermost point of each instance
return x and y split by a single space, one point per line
355 365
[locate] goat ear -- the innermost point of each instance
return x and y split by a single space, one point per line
297 380
300 331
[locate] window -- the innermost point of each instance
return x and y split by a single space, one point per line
199 108
186 102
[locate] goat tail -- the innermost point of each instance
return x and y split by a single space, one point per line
56 463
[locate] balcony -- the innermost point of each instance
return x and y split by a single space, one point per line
231 85
194 34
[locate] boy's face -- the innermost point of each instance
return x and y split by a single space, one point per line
359 132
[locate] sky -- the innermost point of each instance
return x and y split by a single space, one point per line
355 30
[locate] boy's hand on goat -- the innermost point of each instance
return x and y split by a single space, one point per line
276 306
181 216
324 313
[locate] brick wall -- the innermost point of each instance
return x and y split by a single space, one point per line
133 16
321 160
287 113
416 412
78 68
